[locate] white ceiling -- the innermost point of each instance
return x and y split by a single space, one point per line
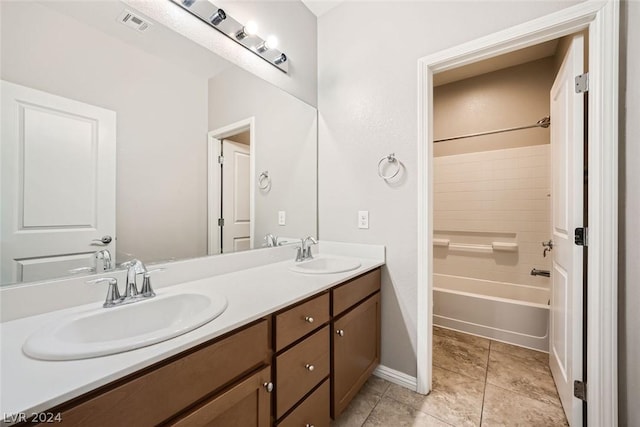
320 7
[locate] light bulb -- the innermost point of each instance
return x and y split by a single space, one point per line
271 42
250 28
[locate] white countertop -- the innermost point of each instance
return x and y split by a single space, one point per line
31 386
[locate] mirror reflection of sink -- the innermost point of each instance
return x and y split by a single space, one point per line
326 265
113 330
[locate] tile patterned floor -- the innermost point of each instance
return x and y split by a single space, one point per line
476 382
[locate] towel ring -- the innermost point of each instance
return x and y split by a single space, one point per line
391 158
264 181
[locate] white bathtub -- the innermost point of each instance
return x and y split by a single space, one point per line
515 314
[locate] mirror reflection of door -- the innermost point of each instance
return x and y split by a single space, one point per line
235 194
58 184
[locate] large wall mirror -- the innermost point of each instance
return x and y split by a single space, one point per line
133 139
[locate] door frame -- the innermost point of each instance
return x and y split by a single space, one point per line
214 180
601 18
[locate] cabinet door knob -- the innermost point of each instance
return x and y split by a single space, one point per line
308 319
309 367
309 425
340 332
268 386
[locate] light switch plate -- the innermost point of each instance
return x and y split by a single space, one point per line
363 219
282 218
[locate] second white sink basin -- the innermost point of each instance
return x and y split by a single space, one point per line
113 330
326 265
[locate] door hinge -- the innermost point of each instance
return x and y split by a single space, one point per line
580 390
220 222
582 83
581 236
221 159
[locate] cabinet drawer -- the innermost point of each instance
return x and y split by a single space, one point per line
314 411
246 404
354 291
300 320
163 392
301 368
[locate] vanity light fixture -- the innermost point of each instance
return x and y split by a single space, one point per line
245 35
250 29
281 59
217 17
270 43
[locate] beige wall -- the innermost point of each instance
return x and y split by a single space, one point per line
161 112
514 96
285 145
491 196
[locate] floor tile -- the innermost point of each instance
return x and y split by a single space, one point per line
389 413
531 379
455 398
460 336
458 356
521 352
504 408
361 406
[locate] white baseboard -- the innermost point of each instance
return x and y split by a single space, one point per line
396 377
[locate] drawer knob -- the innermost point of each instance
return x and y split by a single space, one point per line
309 425
268 386
309 368
340 332
308 319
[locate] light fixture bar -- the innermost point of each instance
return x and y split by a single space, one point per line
244 35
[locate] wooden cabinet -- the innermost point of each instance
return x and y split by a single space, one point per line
245 404
315 356
356 345
161 392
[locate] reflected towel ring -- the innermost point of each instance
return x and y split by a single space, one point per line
391 158
264 181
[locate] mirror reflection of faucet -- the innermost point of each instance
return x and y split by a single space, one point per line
102 262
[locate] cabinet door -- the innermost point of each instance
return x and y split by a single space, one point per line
356 351
247 404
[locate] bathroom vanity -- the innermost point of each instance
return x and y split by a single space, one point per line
299 361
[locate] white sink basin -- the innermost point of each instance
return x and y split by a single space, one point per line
113 330
326 265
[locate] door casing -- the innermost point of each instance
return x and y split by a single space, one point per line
214 180
601 19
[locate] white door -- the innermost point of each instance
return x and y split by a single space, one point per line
58 183
567 154
236 171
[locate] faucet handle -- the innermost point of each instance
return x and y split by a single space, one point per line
113 293
147 290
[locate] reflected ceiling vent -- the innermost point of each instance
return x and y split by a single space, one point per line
134 21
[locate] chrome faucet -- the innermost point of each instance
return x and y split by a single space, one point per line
304 250
134 267
131 293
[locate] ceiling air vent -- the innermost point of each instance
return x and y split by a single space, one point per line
134 21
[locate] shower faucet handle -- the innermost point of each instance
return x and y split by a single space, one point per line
548 246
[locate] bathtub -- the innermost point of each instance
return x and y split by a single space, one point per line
507 312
